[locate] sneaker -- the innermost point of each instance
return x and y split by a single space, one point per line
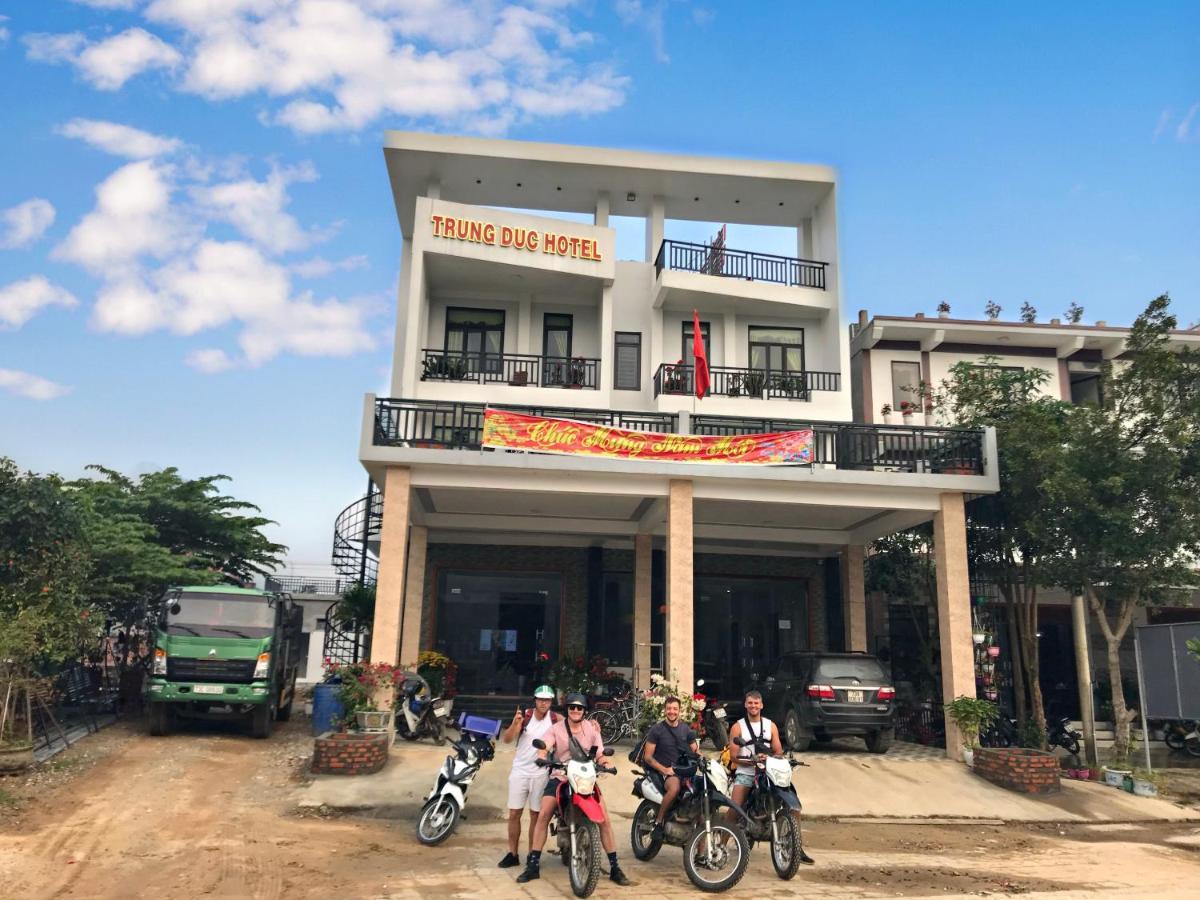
656 833
510 860
806 859
531 873
616 876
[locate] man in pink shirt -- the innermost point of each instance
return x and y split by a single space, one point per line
586 734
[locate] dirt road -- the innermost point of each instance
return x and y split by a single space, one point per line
210 813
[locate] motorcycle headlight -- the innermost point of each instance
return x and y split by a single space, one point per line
263 667
582 777
780 772
160 661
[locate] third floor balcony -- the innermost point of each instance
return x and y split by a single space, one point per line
746 265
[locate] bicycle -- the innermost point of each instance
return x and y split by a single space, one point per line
619 720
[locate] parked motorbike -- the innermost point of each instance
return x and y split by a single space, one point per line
444 804
576 822
1059 733
711 723
1182 734
773 809
715 853
1005 732
422 716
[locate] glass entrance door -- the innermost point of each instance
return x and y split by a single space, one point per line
495 624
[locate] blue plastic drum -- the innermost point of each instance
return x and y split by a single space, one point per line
327 708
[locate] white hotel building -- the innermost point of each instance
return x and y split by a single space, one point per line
495 557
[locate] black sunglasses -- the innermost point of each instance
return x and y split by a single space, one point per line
574 706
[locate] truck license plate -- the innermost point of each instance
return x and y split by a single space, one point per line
854 696
718 713
208 689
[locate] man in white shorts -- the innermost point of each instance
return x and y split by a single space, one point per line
527 781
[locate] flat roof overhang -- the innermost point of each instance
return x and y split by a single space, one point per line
565 178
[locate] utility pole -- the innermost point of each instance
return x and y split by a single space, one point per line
1083 672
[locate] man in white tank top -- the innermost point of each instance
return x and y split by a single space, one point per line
753 724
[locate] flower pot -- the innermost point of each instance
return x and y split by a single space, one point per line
993 651
930 420
16 757
979 637
889 419
308 708
907 417
1115 777
969 756
943 315
374 719
1144 788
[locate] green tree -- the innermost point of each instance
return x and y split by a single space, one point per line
1011 534
1129 494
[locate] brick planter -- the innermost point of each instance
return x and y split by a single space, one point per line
349 753
1019 769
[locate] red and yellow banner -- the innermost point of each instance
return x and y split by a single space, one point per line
514 431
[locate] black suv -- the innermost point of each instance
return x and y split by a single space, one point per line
819 695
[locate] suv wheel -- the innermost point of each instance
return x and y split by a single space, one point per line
879 741
792 734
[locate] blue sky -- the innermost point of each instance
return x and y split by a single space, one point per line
198 250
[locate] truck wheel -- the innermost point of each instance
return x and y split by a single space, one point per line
260 721
160 717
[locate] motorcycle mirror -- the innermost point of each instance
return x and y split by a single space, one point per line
176 609
539 743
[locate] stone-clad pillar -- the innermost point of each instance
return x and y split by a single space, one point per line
414 595
954 607
393 552
854 597
643 548
679 584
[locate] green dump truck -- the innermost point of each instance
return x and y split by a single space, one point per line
222 651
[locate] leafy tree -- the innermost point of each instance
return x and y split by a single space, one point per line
1011 533
1129 492
44 618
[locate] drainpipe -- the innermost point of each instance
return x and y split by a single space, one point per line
1083 674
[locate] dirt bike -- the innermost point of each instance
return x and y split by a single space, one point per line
773 809
711 722
577 818
715 853
439 815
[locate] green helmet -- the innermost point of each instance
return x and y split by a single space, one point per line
543 692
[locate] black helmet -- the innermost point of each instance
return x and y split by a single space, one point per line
575 698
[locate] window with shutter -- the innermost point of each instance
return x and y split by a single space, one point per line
627 361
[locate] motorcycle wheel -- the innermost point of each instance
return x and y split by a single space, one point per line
403 730
437 820
610 730
1174 740
584 869
1192 746
785 852
1070 743
717 732
644 847
731 856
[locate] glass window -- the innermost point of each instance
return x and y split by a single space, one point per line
906 376
686 351
627 361
220 615
1085 383
775 349
557 331
610 623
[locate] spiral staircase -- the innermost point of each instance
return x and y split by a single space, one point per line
356 557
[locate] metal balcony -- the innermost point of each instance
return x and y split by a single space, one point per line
517 369
732 381
707 259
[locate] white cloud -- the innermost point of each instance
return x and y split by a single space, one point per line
109 63
319 267
343 64
146 239
32 387
1184 131
119 140
24 223
22 300
210 360
256 208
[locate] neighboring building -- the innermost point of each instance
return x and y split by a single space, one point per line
495 557
315 595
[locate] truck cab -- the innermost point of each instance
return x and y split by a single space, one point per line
222 651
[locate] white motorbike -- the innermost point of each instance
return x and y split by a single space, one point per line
444 804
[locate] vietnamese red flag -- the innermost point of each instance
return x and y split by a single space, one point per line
700 356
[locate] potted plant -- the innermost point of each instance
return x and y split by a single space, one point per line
519 378
690 705
906 411
367 692
577 373
439 671
789 385
754 383
676 378
943 310
734 386
971 715
1147 783
1116 771
886 412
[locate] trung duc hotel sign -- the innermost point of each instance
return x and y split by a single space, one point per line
474 231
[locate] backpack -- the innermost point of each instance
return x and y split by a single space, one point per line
529 715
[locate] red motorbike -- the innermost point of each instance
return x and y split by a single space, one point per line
576 822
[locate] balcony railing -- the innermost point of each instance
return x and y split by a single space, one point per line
731 381
842 445
518 369
745 264
434 423
303 584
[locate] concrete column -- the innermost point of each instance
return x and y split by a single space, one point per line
654 228
1083 674
954 607
643 547
607 360
525 327
679 584
854 597
600 218
731 353
414 594
805 248
393 552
